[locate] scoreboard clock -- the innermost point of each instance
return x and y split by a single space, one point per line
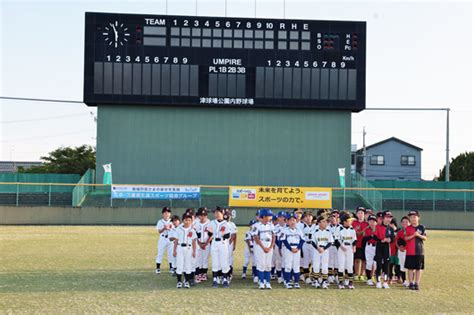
157 60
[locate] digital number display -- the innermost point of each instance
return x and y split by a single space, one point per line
216 61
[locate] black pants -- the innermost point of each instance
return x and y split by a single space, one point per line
382 258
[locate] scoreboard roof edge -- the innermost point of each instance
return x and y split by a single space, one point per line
211 61
221 17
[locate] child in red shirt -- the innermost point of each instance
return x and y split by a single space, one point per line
370 240
359 225
401 245
394 268
415 258
385 235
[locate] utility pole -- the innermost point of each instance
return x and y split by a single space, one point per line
364 170
447 146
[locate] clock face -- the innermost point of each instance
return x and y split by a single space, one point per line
115 34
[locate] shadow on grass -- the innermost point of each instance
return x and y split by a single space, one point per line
141 280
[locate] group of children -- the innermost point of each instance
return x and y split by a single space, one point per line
331 247
188 242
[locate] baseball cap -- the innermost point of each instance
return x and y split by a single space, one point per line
201 211
360 209
401 242
166 209
218 209
186 216
266 213
387 214
321 218
292 215
346 216
371 217
252 222
380 214
335 211
413 212
281 214
298 211
369 211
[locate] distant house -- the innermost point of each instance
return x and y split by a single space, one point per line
390 159
353 158
12 166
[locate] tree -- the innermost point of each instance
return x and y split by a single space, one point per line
460 169
66 160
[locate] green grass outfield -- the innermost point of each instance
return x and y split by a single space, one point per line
103 269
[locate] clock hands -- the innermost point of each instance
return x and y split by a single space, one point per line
116 34
117 38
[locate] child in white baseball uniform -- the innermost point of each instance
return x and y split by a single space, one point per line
232 240
322 240
277 259
190 212
254 228
264 238
163 226
308 249
176 222
292 239
346 240
184 251
203 244
248 250
220 232
333 264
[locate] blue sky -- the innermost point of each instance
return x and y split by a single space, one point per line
419 55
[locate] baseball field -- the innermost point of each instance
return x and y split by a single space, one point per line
110 269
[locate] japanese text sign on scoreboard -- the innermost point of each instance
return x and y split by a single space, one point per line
280 197
155 192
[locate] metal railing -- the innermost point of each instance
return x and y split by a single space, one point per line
368 192
80 191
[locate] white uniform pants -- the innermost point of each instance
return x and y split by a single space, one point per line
276 259
333 257
321 262
308 253
220 256
345 259
231 254
164 245
184 259
401 257
202 257
263 260
248 256
292 260
370 257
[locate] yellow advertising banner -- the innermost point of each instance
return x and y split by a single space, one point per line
280 197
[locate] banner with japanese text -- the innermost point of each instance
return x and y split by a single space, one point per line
280 197
155 192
